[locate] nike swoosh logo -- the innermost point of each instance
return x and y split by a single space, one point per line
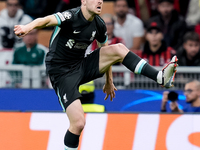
76 32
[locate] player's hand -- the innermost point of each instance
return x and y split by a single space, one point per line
109 89
21 30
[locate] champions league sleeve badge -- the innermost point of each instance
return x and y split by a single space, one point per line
67 14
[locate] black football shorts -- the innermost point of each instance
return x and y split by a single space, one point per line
66 85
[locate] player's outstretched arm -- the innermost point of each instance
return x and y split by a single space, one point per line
22 30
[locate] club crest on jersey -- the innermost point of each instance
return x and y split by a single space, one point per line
93 35
67 15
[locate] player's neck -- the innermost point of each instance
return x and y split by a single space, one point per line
88 15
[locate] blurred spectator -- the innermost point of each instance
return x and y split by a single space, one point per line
172 24
192 93
9 17
31 53
189 53
155 51
144 9
193 13
34 8
127 26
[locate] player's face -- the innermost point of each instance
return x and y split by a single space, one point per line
191 92
192 48
93 6
121 8
12 6
154 37
165 8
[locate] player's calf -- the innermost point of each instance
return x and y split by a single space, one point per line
139 66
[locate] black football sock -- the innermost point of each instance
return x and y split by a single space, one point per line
71 140
139 66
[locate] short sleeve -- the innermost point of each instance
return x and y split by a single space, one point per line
102 37
63 17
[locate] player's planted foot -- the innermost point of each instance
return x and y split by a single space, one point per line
166 76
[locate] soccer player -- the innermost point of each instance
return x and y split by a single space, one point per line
68 68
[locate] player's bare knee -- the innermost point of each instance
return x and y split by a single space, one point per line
120 45
80 124
120 49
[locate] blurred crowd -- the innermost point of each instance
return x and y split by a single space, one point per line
156 30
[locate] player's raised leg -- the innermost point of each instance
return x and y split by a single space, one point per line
76 117
119 53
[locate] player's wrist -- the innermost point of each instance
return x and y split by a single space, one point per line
109 80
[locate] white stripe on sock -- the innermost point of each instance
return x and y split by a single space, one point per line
68 148
139 66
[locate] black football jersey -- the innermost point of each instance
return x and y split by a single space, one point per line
71 37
